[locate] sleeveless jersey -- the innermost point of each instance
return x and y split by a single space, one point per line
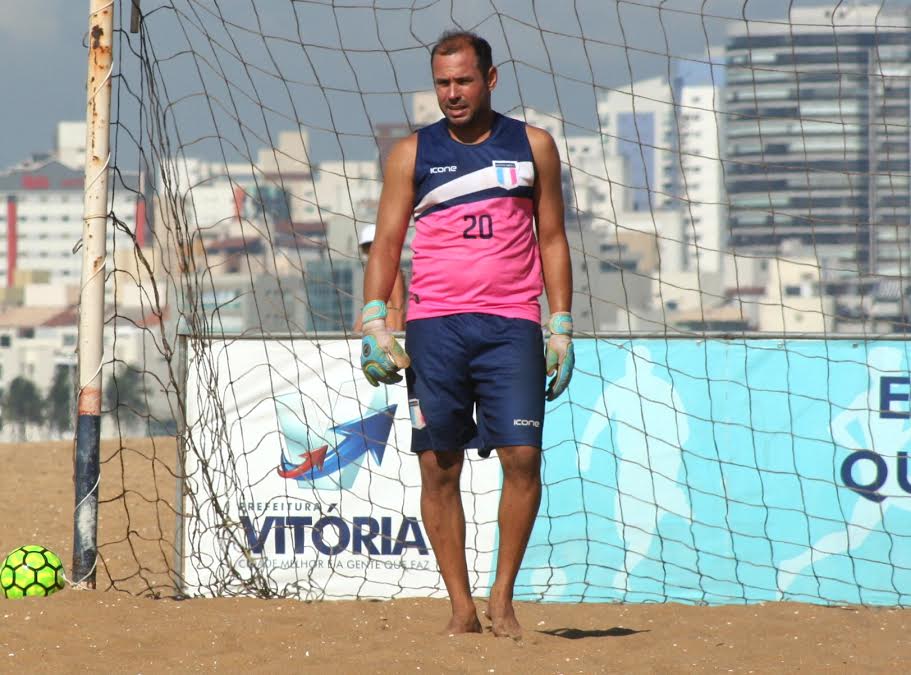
474 248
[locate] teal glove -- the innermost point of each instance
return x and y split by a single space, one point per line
381 354
559 357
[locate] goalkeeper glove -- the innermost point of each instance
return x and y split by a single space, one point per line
381 354
559 357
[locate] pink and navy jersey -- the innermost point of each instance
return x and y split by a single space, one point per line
474 247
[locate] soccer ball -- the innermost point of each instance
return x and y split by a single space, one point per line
31 571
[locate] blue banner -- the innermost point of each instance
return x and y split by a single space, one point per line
714 471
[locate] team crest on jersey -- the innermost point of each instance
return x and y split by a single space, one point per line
507 174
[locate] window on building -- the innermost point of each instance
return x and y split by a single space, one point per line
5 340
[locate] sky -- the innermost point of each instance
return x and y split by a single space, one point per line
43 72
43 53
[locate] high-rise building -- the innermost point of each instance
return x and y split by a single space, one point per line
699 179
668 135
817 139
638 124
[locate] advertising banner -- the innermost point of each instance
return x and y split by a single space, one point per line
707 471
314 486
727 471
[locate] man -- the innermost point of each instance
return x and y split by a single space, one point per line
395 305
478 185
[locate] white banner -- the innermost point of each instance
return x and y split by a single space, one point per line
301 471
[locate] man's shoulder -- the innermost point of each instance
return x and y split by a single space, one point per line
406 141
537 133
404 149
540 140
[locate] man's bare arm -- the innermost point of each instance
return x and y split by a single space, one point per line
396 203
548 198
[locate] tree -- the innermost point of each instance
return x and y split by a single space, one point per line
59 403
23 404
124 396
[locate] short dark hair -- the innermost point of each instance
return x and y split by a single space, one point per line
454 41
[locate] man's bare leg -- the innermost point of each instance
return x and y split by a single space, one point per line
444 520
519 501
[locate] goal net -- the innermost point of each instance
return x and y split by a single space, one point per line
737 206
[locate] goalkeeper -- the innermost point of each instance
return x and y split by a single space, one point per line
485 194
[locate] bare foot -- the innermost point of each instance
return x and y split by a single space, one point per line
503 618
467 623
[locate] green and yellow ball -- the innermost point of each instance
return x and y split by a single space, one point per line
31 571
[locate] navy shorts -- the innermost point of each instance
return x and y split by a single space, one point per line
466 361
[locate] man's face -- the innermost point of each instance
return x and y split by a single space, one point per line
462 90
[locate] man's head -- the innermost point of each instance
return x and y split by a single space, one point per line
463 77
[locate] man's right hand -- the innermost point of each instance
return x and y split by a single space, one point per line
381 354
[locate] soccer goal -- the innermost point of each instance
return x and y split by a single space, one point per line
736 177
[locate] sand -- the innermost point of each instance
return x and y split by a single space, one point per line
131 623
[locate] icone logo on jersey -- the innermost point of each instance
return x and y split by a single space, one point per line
347 444
444 169
507 174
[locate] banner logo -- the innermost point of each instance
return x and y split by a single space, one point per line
352 441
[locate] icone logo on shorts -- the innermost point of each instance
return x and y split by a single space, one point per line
356 438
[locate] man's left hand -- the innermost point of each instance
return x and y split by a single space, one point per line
559 357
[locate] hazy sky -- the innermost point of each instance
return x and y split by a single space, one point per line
42 74
44 58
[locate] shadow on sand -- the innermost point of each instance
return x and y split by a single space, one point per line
579 634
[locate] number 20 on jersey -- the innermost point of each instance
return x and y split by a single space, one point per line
479 227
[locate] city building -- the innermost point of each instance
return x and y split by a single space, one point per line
817 139
793 302
638 124
669 135
41 215
700 181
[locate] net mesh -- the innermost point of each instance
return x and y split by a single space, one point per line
736 183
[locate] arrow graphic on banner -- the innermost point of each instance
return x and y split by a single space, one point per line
313 458
359 436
